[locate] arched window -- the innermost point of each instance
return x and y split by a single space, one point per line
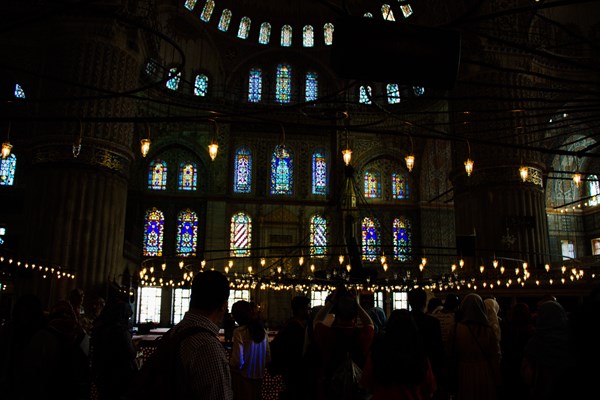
283 86
318 236
328 33
244 29
406 10
319 173
225 20
174 78
19 92
399 186
255 85
372 184
157 175
371 242
241 235
368 15
265 33
187 233
8 166
201 85
190 4
364 95
393 93
402 239
594 188
242 175
153 233
207 10
308 36
311 86
188 175
387 12
286 36
419 90
282 172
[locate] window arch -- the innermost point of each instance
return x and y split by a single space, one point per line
328 33
282 172
265 33
157 175
187 233
308 36
399 186
207 10
188 175
241 235
225 20
319 173
387 12
255 85
174 78
372 179
371 242
8 167
318 236
406 10
286 36
402 239
364 95
201 85
19 92
594 189
190 4
283 86
153 232
368 15
393 93
244 29
311 91
242 175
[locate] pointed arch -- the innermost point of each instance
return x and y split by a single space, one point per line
371 242
372 184
225 20
318 236
255 85
157 175
187 233
153 232
402 236
242 170
282 172
319 173
283 88
241 235
188 175
399 186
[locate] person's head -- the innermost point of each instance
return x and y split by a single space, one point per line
472 310
434 304
491 306
301 307
378 317
76 298
551 316
210 292
346 307
242 312
417 299
97 305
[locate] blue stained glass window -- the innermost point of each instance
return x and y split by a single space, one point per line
308 36
283 87
399 186
174 78
8 166
225 20
402 239
286 36
187 176
190 4
372 184
282 172
153 233
157 175
319 173
265 33
19 92
387 12
312 86
207 10
393 93
328 33
187 233
255 85
201 85
242 176
318 236
364 95
406 10
371 242
244 29
241 235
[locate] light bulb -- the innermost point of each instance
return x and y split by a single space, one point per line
213 149
469 166
410 162
347 156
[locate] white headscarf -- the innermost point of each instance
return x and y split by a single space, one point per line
492 308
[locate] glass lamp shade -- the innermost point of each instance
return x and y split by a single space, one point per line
524 172
145 146
347 156
410 162
469 166
576 178
213 149
6 147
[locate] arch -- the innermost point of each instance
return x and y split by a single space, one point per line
282 171
399 186
188 176
402 238
153 233
371 242
283 83
225 20
157 175
242 170
187 233
319 173
318 236
255 85
241 235
372 184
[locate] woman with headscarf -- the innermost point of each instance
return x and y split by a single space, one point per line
492 308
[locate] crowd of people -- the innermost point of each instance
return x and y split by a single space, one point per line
463 348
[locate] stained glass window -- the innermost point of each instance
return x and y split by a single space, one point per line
319 173
190 4
371 242
241 235
255 85
244 29
174 78
286 36
402 239
282 172
312 86
399 186
283 87
364 95
368 15
187 176
318 236
153 233
594 188
387 12
328 33
19 92
242 176
207 10
393 93
372 184
225 20
419 90
157 175
265 33
308 36
8 166
201 85
187 233
406 10
151 67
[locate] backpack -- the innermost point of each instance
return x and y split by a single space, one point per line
157 378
